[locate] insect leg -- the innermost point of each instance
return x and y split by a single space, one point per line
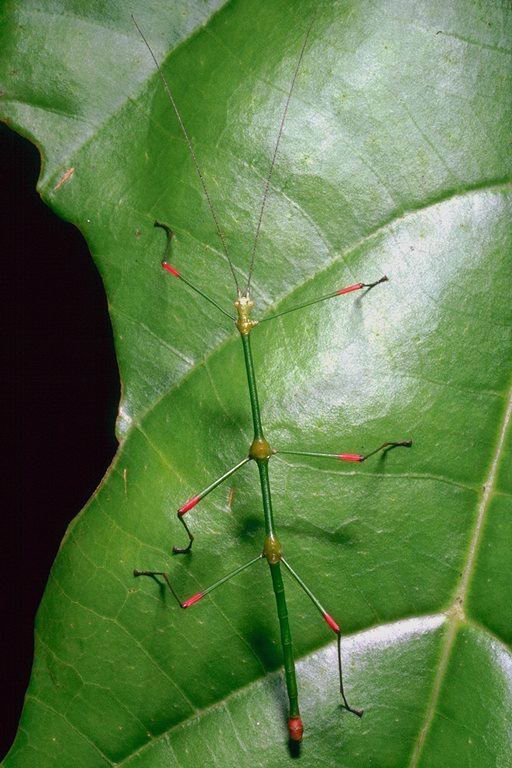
199 595
191 503
355 457
333 625
339 292
170 96
176 273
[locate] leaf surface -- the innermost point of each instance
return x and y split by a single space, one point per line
395 160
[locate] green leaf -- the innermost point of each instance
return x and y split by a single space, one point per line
395 160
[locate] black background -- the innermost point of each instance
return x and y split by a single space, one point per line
60 391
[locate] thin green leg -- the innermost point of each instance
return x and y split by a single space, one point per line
353 457
332 624
199 595
332 295
173 271
191 503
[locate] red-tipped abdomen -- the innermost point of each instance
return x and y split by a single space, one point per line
350 457
295 728
169 268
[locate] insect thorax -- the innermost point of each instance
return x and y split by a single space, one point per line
244 306
272 549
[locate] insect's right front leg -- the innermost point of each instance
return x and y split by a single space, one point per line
191 503
332 295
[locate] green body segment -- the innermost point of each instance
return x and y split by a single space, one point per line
272 549
253 392
266 498
286 639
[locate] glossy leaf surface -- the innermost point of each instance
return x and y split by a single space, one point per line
395 160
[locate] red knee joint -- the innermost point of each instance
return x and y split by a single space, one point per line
188 505
350 288
295 728
330 621
191 600
350 457
169 268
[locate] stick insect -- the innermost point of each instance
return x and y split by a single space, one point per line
260 451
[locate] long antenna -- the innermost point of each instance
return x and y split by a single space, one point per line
280 133
192 152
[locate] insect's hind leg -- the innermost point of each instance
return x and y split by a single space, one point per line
335 628
199 595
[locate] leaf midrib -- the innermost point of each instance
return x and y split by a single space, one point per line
456 612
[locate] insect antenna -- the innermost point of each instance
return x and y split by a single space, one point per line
170 96
274 156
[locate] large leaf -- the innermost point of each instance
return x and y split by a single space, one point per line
395 159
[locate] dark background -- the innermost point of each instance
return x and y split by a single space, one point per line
60 391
